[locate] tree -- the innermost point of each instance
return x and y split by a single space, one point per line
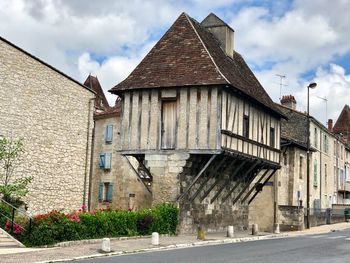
13 188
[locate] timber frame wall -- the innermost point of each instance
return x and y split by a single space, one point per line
209 119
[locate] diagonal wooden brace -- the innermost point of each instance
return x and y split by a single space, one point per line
196 178
252 189
138 175
256 193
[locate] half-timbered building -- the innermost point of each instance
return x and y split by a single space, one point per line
200 124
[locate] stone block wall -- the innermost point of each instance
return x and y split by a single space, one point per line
171 177
128 191
53 115
290 217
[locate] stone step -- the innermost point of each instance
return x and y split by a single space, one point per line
6 241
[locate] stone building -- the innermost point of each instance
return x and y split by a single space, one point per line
113 182
196 118
53 114
327 165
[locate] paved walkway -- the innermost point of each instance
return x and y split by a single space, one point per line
91 248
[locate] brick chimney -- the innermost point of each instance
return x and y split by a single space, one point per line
289 101
330 124
222 32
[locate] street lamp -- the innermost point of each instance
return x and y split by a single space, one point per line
311 86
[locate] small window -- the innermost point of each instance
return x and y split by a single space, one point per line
325 175
301 160
272 137
105 193
105 161
316 138
109 133
325 144
246 126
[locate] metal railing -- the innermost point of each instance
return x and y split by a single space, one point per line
11 217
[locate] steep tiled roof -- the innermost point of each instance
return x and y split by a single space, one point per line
101 102
295 128
342 124
189 55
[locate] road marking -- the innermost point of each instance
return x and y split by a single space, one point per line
347 238
336 237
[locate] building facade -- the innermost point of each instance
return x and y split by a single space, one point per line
199 122
53 114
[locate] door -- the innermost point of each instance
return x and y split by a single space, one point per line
168 124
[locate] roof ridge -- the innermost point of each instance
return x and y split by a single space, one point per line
206 49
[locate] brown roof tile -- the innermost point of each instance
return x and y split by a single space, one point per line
101 102
189 55
342 124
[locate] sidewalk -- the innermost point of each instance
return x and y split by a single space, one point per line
91 248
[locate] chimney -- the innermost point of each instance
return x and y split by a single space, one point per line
330 124
222 32
289 101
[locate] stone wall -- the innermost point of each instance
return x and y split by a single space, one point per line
290 217
53 115
128 191
171 177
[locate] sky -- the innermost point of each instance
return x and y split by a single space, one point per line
305 41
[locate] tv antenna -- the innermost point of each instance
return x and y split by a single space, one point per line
282 77
326 101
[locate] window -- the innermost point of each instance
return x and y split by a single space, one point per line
105 193
325 175
316 138
315 173
325 143
272 137
109 133
246 126
285 158
301 160
105 161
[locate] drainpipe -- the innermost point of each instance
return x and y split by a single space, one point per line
320 170
91 166
87 151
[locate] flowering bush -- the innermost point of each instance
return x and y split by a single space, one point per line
57 226
17 229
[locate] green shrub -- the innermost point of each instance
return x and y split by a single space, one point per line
57 227
5 211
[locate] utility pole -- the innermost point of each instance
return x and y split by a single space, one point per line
282 77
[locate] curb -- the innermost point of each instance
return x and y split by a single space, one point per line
177 246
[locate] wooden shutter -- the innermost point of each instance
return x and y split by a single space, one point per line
109 133
110 193
168 124
101 161
100 193
108 161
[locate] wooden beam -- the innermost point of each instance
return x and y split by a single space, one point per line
254 174
207 179
239 181
252 189
144 167
138 175
196 178
226 181
256 193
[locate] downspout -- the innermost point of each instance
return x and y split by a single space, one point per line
91 166
87 152
321 170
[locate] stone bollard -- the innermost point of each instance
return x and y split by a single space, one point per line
277 228
200 233
155 239
230 232
106 245
255 229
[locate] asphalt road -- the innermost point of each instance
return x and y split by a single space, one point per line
332 247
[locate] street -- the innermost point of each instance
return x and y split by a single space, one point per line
331 247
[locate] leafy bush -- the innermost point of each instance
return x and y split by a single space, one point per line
56 226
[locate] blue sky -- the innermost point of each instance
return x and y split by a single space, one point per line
303 40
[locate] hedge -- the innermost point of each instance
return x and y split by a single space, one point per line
56 226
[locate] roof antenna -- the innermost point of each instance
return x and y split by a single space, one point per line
282 77
326 101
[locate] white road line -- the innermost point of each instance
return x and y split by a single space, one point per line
336 237
347 238
318 236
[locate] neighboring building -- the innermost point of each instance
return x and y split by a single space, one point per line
53 114
328 167
195 116
342 130
113 183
